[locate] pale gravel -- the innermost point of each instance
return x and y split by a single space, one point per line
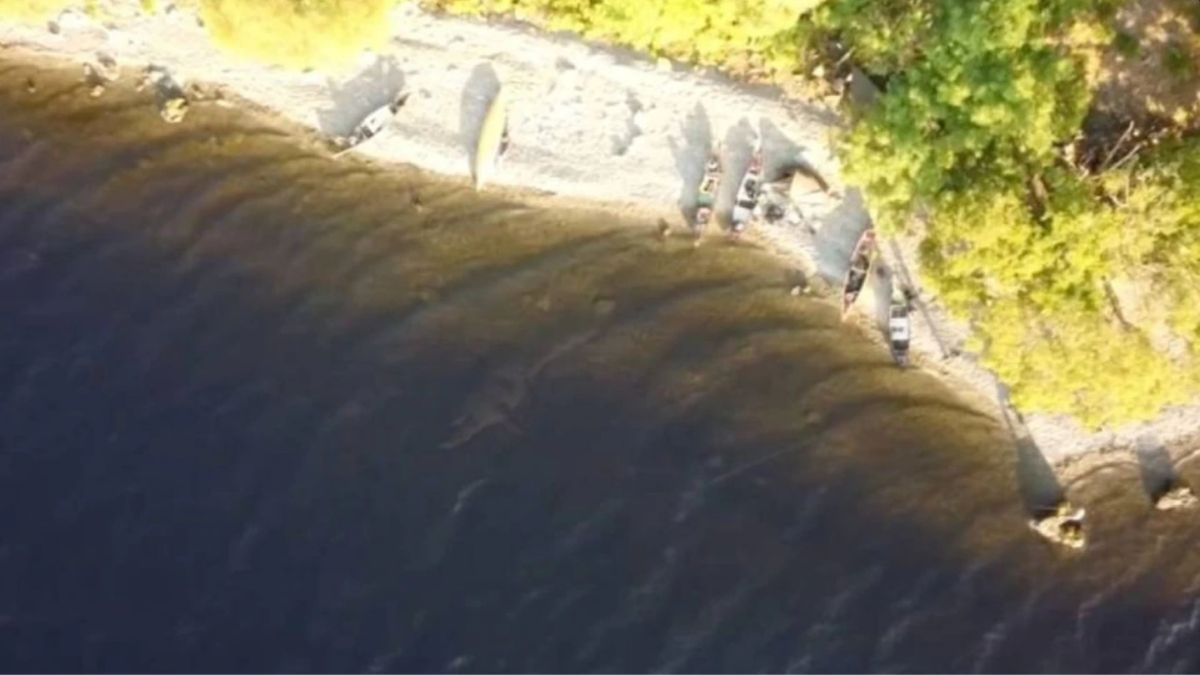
590 123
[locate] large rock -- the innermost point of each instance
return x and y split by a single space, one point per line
1178 496
173 109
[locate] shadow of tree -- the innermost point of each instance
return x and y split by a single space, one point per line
691 156
371 88
881 286
481 88
1039 486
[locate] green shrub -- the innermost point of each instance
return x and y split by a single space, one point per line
298 33
1034 286
982 92
31 10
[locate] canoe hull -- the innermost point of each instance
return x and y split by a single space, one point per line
493 134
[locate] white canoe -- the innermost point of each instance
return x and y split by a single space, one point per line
493 140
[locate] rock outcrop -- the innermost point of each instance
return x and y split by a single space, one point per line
1062 525
1177 496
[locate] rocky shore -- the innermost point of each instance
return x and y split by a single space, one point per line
587 122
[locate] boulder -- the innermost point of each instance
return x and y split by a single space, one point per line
173 109
1178 496
1062 525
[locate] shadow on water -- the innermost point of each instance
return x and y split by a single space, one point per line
482 86
1040 488
221 441
374 87
691 156
1155 467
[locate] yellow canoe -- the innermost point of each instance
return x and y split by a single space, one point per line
493 139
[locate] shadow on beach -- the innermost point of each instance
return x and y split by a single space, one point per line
373 87
838 233
481 88
780 153
737 149
691 156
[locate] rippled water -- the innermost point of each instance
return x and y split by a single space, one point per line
264 410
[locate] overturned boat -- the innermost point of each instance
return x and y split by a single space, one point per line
745 207
861 262
706 197
375 122
899 328
493 140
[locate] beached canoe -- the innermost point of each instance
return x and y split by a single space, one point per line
860 269
746 204
706 199
493 140
899 328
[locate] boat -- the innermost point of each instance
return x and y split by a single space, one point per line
493 140
706 198
860 269
746 205
899 328
375 122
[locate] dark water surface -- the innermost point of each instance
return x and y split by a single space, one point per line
261 410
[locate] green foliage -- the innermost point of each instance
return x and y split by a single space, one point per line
741 35
1036 286
979 96
298 33
31 10
982 92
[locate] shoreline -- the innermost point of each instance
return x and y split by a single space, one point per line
596 125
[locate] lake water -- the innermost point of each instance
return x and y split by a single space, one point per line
264 410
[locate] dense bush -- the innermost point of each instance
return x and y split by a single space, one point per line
975 89
298 33
1037 287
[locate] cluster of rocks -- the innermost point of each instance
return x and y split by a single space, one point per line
169 95
170 99
1176 496
1062 524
